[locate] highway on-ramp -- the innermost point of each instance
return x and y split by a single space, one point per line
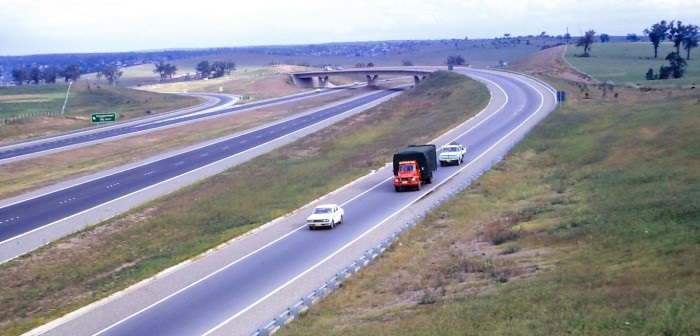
237 288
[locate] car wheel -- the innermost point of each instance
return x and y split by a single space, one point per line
341 220
332 224
311 228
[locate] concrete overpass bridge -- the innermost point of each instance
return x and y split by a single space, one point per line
320 78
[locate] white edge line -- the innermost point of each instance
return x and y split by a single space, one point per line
81 311
170 179
378 224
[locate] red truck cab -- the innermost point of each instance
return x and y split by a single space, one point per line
413 166
408 175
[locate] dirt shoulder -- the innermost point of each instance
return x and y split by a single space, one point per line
549 62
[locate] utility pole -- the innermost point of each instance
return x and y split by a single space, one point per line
66 101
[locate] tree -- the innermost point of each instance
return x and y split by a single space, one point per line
230 65
203 68
586 41
112 73
676 67
20 76
632 37
676 34
170 70
219 69
160 69
35 75
71 72
657 33
50 74
690 38
164 70
650 74
455 60
604 38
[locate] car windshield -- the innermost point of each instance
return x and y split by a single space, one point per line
322 210
450 149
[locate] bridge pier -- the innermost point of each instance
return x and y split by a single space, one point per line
372 79
306 82
322 81
417 79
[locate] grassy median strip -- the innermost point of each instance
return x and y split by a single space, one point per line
590 226
24 175
94 263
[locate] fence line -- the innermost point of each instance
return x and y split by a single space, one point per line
14 118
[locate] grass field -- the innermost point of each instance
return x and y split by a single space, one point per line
27 108
628 63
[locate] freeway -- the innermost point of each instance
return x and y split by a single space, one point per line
237 288
24 224
220 105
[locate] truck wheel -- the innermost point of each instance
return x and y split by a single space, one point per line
397 188
418 186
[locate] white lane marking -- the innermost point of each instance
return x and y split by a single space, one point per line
166 181
539 108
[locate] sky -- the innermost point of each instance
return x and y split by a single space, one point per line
85 26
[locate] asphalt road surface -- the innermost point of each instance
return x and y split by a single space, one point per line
237 288
219 104
31 222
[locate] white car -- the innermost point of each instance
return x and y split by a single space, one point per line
452 153
326 215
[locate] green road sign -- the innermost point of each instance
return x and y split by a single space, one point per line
102 117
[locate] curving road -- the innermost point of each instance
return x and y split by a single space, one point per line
238 288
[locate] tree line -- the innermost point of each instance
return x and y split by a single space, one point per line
112 72
70 73
685 36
